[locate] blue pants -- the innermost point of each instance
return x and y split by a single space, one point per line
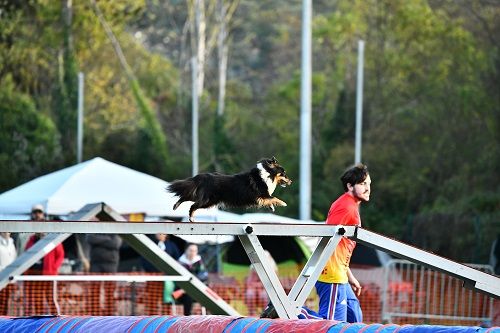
336 302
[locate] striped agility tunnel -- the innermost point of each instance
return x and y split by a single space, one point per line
210 323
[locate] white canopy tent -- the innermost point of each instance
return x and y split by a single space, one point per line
123 189
96 180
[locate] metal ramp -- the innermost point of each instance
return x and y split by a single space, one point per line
45 245
287 306
140 242
472 278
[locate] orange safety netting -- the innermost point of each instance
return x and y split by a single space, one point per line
247 296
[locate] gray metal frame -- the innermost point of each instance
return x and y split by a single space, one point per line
174 228
287 306
44 245
472 278
139 242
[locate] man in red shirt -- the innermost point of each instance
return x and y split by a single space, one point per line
337 287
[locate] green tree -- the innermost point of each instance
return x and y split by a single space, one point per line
426 112
29 141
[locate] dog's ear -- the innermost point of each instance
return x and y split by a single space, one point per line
273 162
270 162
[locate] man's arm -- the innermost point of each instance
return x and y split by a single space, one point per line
356 287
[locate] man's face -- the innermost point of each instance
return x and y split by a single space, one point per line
361 191
192 251
161 237
37 215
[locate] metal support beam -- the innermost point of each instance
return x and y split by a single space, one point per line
472 278
268 276
286 306
174 228
99 278
165 263
43 246
139 242
312 270
289 306
31 256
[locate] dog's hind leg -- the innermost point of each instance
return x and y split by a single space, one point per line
194 207
203 203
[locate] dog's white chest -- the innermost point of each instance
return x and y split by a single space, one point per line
271 186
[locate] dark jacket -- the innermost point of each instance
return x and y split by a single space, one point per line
104 252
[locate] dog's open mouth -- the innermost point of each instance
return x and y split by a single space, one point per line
284 182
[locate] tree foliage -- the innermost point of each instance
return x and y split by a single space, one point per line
29 141
431 102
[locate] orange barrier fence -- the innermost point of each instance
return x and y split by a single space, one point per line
417 295
403 296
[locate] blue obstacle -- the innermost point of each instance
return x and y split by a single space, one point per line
210 323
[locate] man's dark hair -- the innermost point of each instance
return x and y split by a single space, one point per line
354 175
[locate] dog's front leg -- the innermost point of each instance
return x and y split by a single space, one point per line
279 202
270 202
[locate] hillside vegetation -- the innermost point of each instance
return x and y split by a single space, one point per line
431 127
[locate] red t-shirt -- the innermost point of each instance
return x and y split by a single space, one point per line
52 260
344 211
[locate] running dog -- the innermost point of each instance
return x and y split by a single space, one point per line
247 189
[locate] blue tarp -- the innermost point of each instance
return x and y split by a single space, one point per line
204 324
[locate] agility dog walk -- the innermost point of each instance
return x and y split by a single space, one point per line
287 305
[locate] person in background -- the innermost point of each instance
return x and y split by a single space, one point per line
165 244
8 251
8 254
104 258
154 289
41 293
495 255
20 239
192 261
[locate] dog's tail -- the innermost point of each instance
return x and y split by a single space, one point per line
185 189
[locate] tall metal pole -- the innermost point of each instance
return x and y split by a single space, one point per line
194 68
79 135
222 51
359 102
305 113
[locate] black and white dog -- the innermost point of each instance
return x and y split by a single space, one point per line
247 189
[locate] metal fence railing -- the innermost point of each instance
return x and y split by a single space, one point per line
415 294
401 293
